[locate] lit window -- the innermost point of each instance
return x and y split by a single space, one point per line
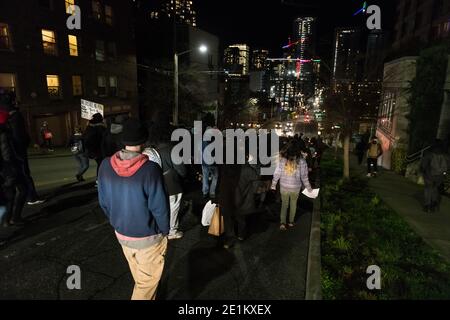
77 86
8 82
113 86
100 50
49 42
101 86
73 46
53 87
5 38
109 17
68 4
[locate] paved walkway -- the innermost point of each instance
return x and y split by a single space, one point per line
405 197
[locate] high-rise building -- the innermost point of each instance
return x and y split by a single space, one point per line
347 50
421 21
182 10
375 54
259 60
304 49
237 59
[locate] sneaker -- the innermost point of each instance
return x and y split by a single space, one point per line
80 178
369 175
176 235
283 227
36 202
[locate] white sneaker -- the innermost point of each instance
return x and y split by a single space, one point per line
369 175
34 203
176 235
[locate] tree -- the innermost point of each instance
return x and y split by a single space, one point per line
345 110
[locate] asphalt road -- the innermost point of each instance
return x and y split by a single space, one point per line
70 229
51 172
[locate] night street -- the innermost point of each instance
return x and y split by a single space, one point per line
71 230
257 155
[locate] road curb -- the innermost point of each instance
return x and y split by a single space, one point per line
313 273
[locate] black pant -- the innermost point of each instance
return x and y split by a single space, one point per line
31 188
360 157
99 162
372 165
16 196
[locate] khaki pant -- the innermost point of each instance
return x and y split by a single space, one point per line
289 200
146 266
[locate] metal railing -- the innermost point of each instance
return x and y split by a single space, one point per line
417 156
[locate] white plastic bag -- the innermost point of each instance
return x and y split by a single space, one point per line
208 212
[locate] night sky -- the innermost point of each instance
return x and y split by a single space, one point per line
269 23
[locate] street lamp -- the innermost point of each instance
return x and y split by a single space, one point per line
202 49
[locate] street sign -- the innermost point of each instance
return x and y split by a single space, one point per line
88 109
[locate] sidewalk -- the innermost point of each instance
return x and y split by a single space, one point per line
35 153
405 198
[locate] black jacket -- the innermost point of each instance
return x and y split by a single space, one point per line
8 161
20 138
173 174
93 138
112 140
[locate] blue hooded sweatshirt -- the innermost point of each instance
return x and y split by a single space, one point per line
132 195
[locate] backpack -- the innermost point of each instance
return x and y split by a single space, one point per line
438 165
77 147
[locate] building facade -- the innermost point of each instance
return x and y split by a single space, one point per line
259 60
51 68
392 128
237 59
182 11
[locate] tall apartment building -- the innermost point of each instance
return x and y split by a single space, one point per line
51 68
182 10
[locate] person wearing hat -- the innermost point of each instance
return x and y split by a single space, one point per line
132 195
93 137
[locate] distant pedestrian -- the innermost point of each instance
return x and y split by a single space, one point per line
292 173
93 138
47 137
13 184
360 150
131 193
79 153
374 151
210 171
434 168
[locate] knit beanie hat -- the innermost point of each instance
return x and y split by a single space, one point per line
97 118
134 133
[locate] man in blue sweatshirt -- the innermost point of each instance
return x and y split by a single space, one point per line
132 195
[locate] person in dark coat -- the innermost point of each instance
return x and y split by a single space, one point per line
21 141
13 184
434 168
93 138
161 153
112 140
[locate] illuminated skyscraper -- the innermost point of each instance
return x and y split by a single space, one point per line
237 59
182 10
259 60
347 50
